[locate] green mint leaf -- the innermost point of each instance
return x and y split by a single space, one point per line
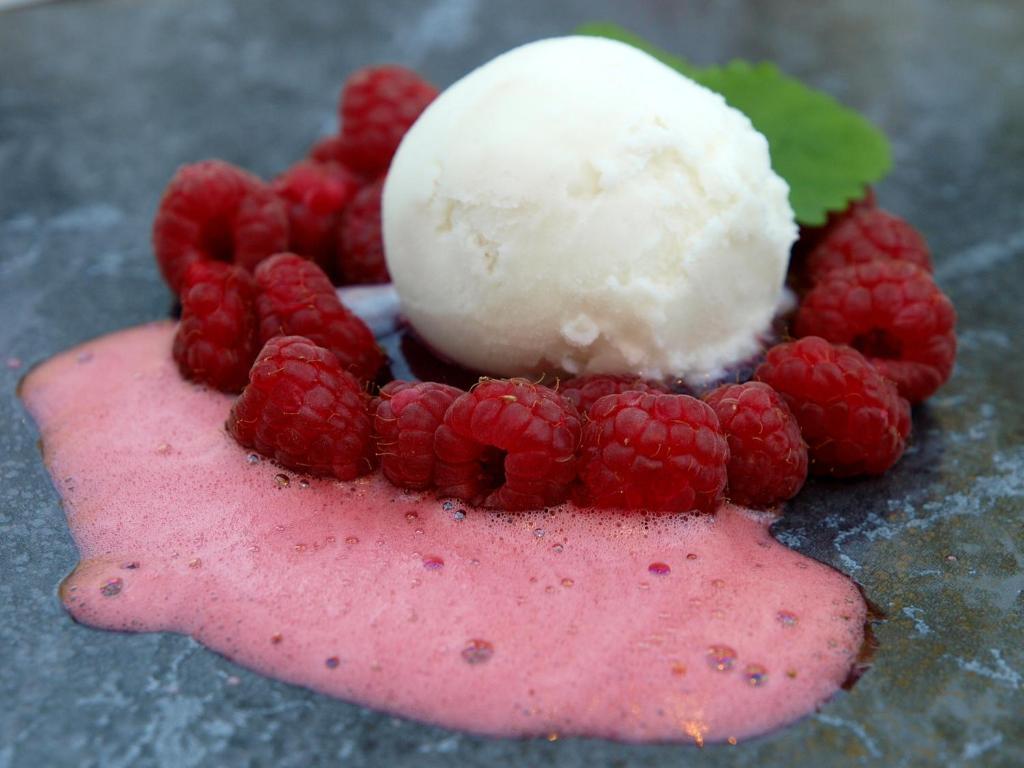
827 153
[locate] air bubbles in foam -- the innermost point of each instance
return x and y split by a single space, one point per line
433 563
282 480
112 587
253 458
721 658
755 675
351 540
787 619
659 569
477 651
332 662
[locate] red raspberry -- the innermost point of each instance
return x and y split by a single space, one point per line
584 391
810 237
360 242
296 298
304 411
213 210
216 339
894 314
767 455
406 417
329 149
649 451
510 443
337 150
378 105
315 195
852 418
868 235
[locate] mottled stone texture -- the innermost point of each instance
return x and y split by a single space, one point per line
99 101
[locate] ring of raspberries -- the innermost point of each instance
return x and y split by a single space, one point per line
252 264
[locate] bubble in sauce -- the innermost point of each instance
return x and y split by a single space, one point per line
721 658
111 587
477 651
787 619
756 675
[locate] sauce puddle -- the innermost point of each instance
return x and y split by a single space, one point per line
565 621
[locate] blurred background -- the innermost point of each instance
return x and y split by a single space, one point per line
100 100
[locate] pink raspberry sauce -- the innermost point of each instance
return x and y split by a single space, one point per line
564 622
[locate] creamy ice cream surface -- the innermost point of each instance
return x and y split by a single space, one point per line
576 205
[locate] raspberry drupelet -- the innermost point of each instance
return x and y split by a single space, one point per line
851 417
304 411
296 298
214 211
894 314
508 444
584 391
653 452
767 455
406 416
216 340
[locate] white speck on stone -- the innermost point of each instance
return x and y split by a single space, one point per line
914 614
1000 672
975 749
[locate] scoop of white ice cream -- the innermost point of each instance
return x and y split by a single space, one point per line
575 204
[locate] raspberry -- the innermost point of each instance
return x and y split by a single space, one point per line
337 150
360 242
810 237
767 455
315 195
216 339
378 105
510 443
304 411
406 416
852 418
296 298
868 235
651 451
894 314
212 210
584 391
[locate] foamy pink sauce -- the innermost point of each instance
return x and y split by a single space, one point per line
569 622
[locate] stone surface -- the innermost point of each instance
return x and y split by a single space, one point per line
100 101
